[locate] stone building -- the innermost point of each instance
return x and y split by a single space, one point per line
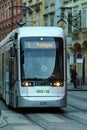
78 47
79 37
10 12
33 12
41 12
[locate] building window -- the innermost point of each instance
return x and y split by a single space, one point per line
30 20
46 21
37 19
52 19
0 14
19 8
30 0
46 3
5 7
24 17
52 2
37 1
75 0
84 17
69 23
10 11
15 8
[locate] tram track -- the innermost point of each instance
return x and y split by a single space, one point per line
78 105
78 116
59 120
32 120
78 102
42 118
78 97
63 121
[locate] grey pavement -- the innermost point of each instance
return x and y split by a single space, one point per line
3 122
10 120
70 87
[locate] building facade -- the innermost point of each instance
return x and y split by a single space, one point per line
33 12
79 38
65 22
10 12
42 12
52 12
78 47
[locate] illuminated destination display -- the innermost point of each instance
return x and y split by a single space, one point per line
39 45
45 45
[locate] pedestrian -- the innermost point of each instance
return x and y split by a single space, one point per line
73 76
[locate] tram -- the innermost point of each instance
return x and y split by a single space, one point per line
33 67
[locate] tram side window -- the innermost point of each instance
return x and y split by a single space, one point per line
15 68
59 66
6 65
2 69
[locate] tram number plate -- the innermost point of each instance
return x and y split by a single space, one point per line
43 103
43 91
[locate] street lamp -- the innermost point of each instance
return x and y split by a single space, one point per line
20 22
75 21
62 22
25 9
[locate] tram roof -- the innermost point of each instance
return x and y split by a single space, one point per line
40 31
34 31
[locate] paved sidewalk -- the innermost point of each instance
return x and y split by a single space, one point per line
70 87
3 122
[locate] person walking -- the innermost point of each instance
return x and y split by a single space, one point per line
73 76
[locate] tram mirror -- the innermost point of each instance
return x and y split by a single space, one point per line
12 52
16 35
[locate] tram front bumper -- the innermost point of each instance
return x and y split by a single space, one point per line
42 101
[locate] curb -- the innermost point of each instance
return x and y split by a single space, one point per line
70 87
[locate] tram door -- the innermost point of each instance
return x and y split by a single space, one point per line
13 74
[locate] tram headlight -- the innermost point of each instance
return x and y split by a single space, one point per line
25 84
58 84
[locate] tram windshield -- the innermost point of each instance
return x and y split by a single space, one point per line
41 58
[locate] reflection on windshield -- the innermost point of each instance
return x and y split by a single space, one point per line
39 63
41 59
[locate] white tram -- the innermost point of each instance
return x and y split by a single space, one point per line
33 67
